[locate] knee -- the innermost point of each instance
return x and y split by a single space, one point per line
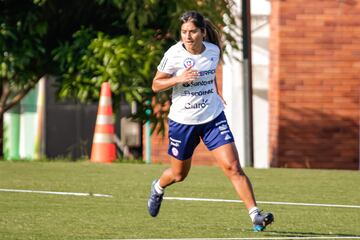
233 169
179 177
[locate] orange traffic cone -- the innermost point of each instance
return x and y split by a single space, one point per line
103 148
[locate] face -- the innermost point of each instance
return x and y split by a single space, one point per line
192 37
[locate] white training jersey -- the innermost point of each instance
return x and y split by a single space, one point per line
196 102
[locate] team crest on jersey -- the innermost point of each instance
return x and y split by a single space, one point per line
189 62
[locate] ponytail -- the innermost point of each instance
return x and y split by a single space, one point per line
213 35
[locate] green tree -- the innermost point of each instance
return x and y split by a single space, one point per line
86 42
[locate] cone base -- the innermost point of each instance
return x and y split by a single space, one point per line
103 153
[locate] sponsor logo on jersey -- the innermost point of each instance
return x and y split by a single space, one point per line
198 93
189 62
207 72
198 83
203 104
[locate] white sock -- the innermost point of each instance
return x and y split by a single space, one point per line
158 188
253 212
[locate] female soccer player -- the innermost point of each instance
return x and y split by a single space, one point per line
196 112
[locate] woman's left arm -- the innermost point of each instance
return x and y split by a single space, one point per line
218 93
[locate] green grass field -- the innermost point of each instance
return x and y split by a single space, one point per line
124 216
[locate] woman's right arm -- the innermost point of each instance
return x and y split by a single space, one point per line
163 81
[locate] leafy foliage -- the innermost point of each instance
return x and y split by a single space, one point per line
85 43
126 62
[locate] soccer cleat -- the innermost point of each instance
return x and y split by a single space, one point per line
262 220
154 201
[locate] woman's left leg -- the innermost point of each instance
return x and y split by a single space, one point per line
228 159
227 156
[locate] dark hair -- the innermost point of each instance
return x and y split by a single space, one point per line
212 33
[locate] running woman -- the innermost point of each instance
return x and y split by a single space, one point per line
196 112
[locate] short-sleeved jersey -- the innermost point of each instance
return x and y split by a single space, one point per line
196 102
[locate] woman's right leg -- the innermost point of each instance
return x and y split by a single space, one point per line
176 173
183 139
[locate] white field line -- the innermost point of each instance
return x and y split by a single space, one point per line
180 198
206 200
262 202
57 193
248 238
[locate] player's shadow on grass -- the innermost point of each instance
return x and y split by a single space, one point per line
305 234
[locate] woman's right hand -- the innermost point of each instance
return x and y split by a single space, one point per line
188 75
163 81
